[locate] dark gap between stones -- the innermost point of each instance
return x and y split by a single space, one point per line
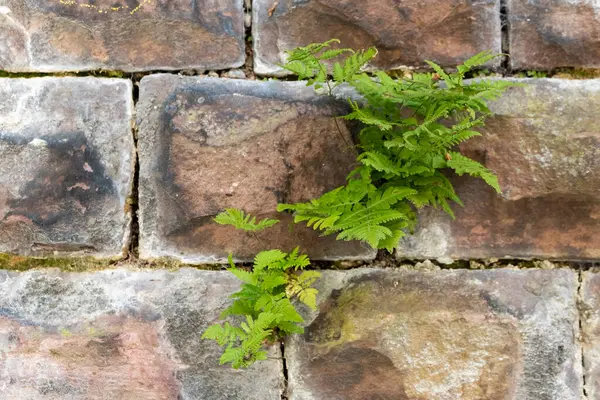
134 238
285 371
505 39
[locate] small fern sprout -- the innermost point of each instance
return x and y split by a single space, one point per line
265 301
411 128
238 219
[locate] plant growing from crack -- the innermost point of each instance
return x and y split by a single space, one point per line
411 129
265 298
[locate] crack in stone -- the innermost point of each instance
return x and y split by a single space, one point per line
581 314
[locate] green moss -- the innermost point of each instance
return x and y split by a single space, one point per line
577 73
20 263
99 74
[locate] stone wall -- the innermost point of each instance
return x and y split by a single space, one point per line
205 142
126 126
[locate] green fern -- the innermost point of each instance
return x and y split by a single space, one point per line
410 130
265 300
237 218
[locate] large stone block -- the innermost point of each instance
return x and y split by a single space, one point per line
405 32
209 144
544 145
66 166
118 334
497 334
545 34
53 35
590 324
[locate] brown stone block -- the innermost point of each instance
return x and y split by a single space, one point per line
66 166
405 32
54 35
544 145
498 334
546 34
210 144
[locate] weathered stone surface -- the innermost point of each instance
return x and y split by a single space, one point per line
405 32
119 334
590 324
66 165
42 35
209 144
544 145
497 334
545 34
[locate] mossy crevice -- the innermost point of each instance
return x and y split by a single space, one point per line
97 73
79 264
89 264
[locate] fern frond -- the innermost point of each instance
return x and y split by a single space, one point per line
464 165
266 259
476 61
238 219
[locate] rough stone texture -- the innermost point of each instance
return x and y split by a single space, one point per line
497 334
66 166
545 34
53 35
119 334
590 324
405 32
544 145
209 144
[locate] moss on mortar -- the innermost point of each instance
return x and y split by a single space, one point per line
577 73
80 264
99 74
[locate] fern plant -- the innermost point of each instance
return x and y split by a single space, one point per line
411 129
265 298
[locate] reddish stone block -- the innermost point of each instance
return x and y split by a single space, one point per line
546 34
53 35
405 32
385 334
544 145
210 144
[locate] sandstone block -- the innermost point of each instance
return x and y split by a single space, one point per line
66 166
545 34
48 36
590 324
209 144
118 334
544 144
405 32
497 334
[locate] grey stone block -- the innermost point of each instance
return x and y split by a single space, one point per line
121 334
66 166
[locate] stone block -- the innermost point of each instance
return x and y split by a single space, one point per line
546 34
119 334
590 325
66 166
209 144
405 32
544 144
496 334
53 35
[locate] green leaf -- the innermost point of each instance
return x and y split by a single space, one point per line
237 218
464 165
309 297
